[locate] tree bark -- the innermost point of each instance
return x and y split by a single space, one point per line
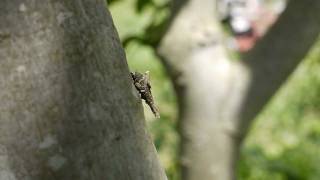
218 98
68 107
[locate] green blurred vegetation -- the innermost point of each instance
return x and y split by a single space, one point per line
284 141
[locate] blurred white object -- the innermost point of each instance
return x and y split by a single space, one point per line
240 25
239 13
249 20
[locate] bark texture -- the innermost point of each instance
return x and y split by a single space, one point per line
219 98
68 108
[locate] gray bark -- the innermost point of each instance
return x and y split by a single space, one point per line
219 98
68 108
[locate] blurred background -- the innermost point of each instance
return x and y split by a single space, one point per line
284 140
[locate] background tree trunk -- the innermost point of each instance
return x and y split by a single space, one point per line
219 98
68 107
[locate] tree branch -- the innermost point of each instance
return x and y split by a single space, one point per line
277 55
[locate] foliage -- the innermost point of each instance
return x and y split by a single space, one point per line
284 143
145 23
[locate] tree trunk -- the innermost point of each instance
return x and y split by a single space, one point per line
68 107
219 98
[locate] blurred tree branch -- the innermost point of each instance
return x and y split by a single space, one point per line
275 57
219 98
